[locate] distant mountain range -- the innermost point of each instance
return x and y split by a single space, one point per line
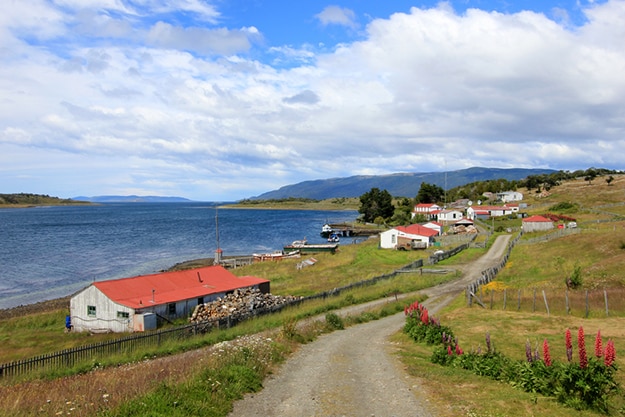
398 185
130 199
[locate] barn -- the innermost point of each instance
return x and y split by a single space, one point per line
536 224
138 303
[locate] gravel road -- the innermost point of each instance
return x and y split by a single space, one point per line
353 372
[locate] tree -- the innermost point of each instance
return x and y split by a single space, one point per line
376 203
430 193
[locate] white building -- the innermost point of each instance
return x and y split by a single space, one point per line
407 237
485 212
426 209
449 216
509 196
434 226
133 304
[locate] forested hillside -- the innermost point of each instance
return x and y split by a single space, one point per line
27 199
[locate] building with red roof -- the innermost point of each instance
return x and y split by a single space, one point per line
407 237
134 304
536 223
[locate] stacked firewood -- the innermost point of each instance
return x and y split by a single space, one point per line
239 305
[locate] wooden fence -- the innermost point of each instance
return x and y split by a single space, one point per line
124 345
578 303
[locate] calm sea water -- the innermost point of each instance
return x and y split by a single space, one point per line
51 252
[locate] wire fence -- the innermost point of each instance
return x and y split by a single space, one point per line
579 303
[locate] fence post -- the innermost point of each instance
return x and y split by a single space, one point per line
504 298
605 297
546 305
587 307
566 299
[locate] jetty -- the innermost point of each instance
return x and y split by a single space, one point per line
350 230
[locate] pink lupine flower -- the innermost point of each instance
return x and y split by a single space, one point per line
569 345
546 353
598 345
610 353
449 351
581 345
424 316
528 351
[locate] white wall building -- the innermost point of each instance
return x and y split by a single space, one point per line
509 196
133 304
406 236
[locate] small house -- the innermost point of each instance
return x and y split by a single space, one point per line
434 226
426 209
414 236
136 304
449 216
509 196
536 224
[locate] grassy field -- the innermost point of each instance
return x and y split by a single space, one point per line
598 249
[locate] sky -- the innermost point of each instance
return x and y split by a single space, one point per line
220 100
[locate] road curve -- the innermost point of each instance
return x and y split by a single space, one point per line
353 372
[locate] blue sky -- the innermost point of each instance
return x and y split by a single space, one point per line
222 100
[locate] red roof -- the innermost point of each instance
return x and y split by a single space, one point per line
417 229
536 219
169 287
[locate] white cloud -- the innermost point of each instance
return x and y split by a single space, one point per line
335 15
171 109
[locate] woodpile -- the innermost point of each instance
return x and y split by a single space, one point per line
460 229
240 305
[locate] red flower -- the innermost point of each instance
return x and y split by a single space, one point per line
424 316
610 353
449 351
569 345
546 353
581 345
459 350
598 345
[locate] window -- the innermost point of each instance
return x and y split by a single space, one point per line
123 315
171 309
91 311
200 300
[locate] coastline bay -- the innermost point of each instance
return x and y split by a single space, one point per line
51 252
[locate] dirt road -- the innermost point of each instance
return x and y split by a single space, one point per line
352 372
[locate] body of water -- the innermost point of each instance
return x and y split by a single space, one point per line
52 252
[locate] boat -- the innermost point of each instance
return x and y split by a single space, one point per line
275 256
334 238
304 247
326 230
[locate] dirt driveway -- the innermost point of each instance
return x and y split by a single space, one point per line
353 372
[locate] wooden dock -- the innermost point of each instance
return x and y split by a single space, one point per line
349 230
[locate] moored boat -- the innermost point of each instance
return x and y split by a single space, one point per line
304 247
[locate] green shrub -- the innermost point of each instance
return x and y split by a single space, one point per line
334 321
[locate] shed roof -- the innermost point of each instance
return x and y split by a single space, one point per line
534 219
168 287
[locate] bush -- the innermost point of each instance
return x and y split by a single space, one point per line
575 280
334 322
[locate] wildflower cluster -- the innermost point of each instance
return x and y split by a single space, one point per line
587 385
422 327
